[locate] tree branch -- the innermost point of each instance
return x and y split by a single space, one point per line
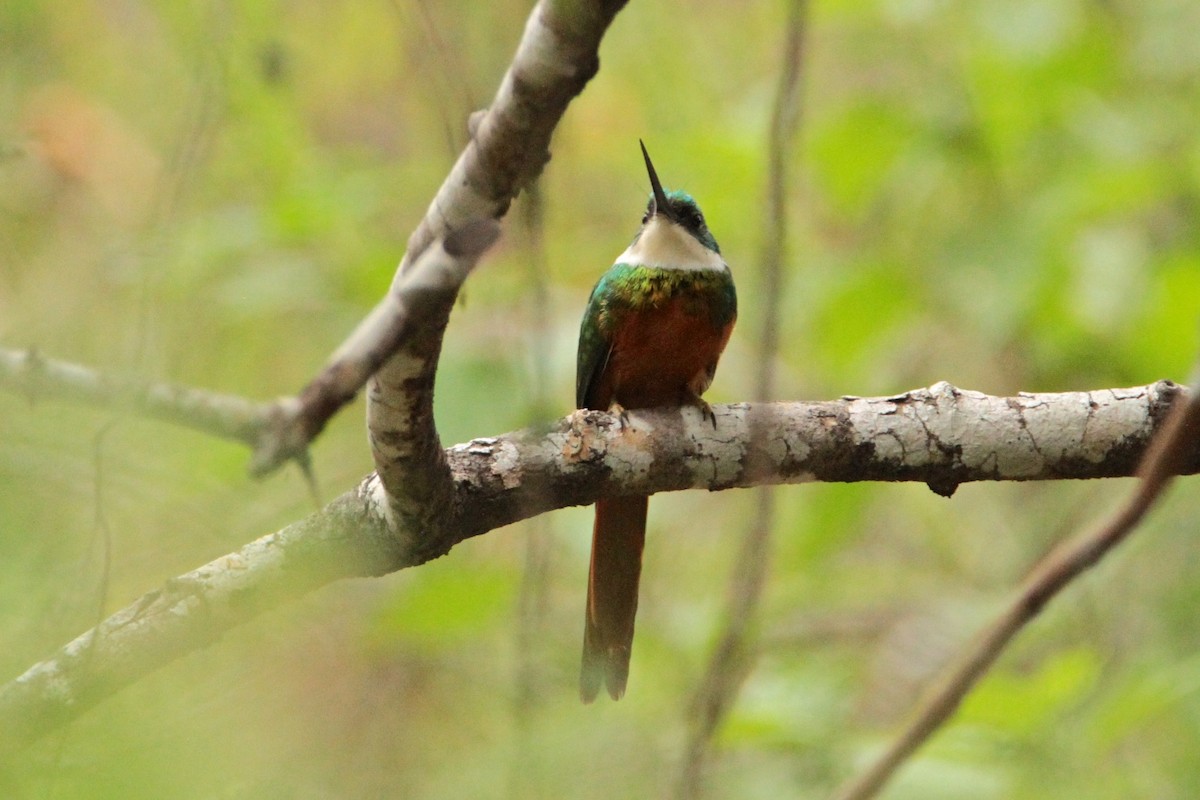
404 442
345 539
1168 453
509 146
557 56
417 299
942 435
221 415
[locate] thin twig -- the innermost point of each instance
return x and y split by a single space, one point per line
221 415
282 430
1169 450
731 659
443 67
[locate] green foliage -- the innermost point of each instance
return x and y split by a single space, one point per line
1002 195
447 607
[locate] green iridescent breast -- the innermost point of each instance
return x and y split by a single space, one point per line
626 288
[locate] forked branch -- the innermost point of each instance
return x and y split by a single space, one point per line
508 147
942 436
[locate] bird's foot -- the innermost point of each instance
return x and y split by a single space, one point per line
705 409
621 413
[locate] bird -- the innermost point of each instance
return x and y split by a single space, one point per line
655 326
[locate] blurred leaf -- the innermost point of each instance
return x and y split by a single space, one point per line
1022 704
445 607
853 153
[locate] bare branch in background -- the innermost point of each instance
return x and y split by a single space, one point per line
731 658
1173 447
942 435
284 429
508 149
221 415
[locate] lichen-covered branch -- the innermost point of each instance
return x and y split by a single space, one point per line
1169 453
509 145
942 436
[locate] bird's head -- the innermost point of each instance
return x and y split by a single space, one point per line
675 208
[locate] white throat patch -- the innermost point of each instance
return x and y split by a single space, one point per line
666 245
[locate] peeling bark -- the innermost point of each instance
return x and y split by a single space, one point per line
942 435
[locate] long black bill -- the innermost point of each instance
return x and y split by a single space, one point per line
661 206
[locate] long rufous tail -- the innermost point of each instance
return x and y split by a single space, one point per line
617 539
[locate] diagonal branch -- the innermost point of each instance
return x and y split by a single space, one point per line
1169 451
345 539
557 56
941 435
509 146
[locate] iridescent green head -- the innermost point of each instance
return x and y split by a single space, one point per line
677 207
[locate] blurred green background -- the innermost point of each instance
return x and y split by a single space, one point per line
1001 194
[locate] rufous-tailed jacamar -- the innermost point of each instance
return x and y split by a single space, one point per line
655 325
